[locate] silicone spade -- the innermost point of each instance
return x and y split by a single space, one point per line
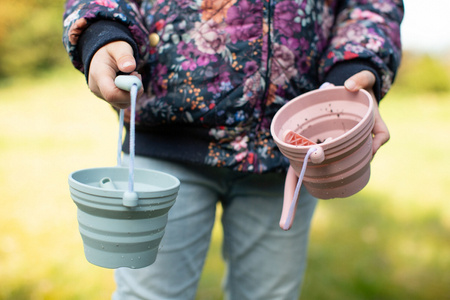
296 139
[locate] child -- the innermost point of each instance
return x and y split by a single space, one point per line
215 72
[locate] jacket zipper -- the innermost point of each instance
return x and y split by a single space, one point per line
269 55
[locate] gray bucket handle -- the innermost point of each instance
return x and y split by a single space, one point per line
131 84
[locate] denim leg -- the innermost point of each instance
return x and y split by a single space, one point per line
183 249
263 261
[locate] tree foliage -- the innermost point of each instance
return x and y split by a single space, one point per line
423 73
30 37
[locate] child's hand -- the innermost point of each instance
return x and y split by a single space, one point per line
366 80
106 63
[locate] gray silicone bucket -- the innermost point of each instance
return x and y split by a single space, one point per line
122 212
115 235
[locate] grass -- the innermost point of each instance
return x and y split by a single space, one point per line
390 241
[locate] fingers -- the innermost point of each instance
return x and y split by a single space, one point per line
380 131
122 53
366 80
106 63
362 80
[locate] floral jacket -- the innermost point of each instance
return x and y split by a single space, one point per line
222 68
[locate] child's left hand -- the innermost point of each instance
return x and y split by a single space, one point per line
366 80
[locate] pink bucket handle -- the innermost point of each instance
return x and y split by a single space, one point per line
293 184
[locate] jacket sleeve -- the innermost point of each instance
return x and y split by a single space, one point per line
83 16
366 35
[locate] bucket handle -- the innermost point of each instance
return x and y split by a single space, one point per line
290 204
131 84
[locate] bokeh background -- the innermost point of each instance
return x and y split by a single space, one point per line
390 241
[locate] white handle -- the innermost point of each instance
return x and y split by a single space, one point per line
290 202
132 84
125 82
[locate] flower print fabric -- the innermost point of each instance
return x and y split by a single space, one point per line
223 68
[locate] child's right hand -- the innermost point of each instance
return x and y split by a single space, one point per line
107 62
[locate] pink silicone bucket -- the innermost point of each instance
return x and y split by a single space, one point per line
347 118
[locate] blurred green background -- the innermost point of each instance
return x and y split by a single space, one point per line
390 241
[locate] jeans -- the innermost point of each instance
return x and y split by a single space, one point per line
262 261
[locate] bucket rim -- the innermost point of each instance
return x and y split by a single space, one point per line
77 185
328 144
